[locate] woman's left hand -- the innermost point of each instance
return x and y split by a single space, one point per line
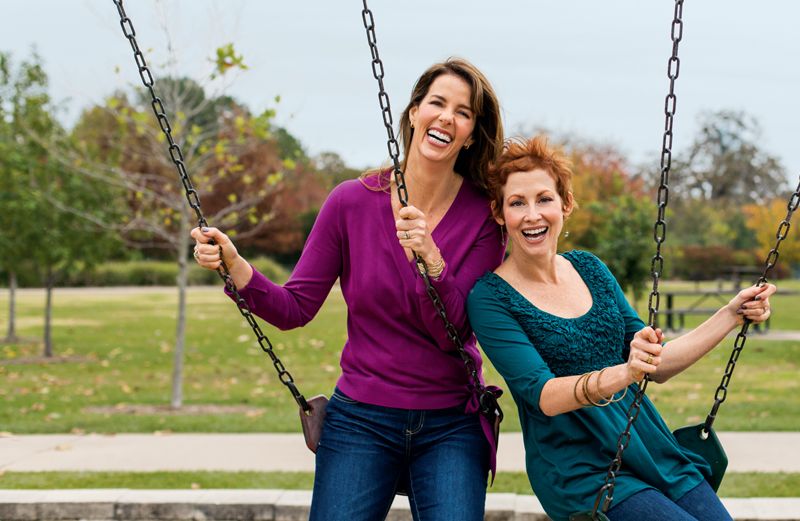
753 303
413 232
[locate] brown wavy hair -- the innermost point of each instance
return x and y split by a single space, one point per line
472 163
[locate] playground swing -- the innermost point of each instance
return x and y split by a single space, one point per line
312 411
700 439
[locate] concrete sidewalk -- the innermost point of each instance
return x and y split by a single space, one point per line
747 452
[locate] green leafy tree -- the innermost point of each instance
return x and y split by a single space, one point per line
232 164
624 242
43 233
12 198
233 158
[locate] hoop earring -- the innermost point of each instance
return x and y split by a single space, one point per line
466 147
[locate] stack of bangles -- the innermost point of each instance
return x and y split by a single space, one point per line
583 383
434 269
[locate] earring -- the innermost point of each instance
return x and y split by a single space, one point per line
566 234
466 147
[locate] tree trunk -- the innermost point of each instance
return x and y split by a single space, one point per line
50 280
180 330
11 336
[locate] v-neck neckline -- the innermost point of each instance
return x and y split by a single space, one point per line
391 230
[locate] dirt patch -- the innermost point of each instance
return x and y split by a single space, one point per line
166 410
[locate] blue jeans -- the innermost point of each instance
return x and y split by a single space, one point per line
440 457
700 503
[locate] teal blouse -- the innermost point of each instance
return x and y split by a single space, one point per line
567 456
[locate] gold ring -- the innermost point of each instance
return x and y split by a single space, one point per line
196 255
649 360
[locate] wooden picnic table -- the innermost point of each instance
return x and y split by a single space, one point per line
718 296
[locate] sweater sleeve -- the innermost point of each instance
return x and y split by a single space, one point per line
454 285
508 347
295 303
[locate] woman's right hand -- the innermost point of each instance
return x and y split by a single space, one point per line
645 354
209 255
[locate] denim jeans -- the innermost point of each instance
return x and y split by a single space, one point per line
440 457
700 503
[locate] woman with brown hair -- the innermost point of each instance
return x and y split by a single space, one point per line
399 414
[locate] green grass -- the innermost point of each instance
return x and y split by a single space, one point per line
735 484
115 349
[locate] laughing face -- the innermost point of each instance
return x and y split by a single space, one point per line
443 121
533 212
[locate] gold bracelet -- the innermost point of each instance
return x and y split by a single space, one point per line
597 386
614 400
586 392
434 269
611 398
437 269
575 390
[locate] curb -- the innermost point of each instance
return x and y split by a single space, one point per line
279 505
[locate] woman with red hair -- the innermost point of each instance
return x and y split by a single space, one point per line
561 333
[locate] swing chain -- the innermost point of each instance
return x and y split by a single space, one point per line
383 100
176 155
606 493
486 403
772 258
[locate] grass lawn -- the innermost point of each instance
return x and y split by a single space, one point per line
114 350
735 484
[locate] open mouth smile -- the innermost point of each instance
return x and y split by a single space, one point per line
535 234
439 137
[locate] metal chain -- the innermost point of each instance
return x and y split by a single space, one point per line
486 399
176 155
606 493
772 258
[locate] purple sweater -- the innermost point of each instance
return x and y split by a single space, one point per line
397 353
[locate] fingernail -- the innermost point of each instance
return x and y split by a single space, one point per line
204 229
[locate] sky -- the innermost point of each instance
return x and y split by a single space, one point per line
595 69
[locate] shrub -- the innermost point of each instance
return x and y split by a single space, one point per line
702 262
151 273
